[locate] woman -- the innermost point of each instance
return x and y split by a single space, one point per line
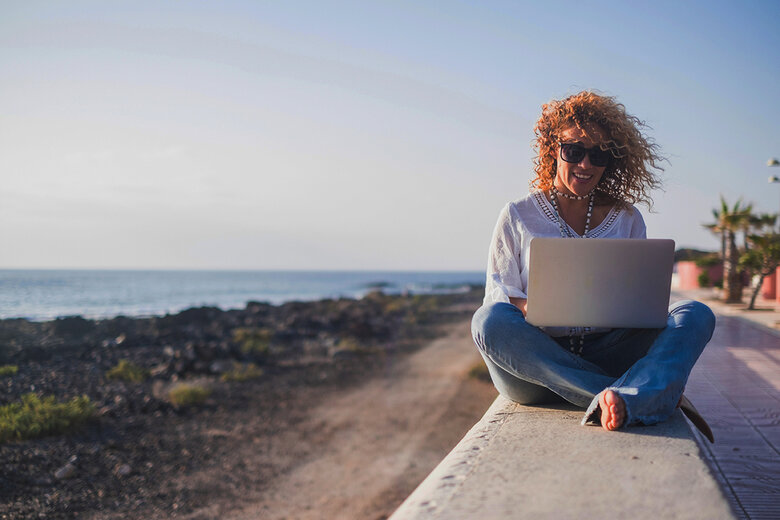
592 165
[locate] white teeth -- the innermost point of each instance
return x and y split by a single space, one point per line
583 177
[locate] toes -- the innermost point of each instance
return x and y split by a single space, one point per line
613 410
612 398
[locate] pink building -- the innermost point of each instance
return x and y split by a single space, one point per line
688 274
769 287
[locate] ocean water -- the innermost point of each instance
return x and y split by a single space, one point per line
47 294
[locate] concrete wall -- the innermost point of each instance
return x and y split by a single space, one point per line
523 462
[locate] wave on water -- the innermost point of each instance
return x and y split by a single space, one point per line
416 288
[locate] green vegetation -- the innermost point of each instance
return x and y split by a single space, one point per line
704 279
760 253
388 303
479 371
242 372
729 221
127 371
348 344
394 305
420 305
426 303
708 260
8 370
36 417
421 308
762 258
185 394
255 341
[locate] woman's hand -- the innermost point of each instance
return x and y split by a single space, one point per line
520 303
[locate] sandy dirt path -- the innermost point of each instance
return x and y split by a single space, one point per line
376 442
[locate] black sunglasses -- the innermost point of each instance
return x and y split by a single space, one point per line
575 152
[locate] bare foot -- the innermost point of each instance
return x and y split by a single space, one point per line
613 410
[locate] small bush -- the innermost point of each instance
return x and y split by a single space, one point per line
127 371
425 304
185 394
704 279
710 260
395 305
354 346
36 417
253 340
8 370
480 371
242 372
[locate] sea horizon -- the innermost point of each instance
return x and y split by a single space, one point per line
40 294
222 269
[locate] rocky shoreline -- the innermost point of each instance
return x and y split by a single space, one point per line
129 460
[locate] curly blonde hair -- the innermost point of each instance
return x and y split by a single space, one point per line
629 176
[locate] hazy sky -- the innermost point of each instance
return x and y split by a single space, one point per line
352 135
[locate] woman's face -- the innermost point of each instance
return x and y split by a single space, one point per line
578 178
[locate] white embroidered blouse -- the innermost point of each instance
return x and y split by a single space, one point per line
534 216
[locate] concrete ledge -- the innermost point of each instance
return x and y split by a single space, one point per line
535 462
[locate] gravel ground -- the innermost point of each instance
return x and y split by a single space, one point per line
143 457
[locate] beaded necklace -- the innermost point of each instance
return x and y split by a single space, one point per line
565 233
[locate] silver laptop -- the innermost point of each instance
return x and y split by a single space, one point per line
599 282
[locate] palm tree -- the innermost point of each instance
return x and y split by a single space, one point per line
728 222
717 228
764 255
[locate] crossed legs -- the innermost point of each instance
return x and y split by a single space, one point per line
644 386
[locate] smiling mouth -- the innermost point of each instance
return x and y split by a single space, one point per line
582 177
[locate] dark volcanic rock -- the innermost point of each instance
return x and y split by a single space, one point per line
130 456
72 327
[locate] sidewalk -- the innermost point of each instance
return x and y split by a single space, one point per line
766 315
736 387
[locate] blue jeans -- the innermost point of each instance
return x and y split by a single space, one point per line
647 367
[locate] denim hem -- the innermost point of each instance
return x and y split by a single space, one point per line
647 368
590 413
